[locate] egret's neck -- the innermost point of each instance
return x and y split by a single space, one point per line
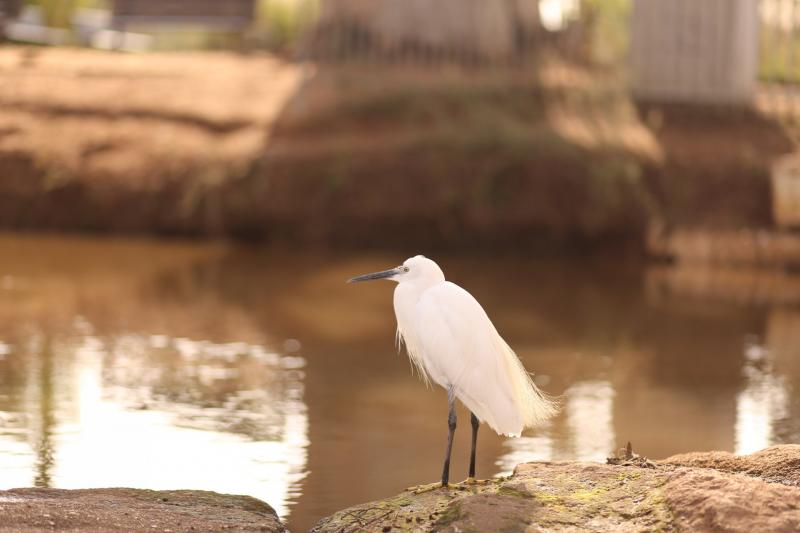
407 293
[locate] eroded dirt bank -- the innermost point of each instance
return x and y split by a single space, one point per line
254 147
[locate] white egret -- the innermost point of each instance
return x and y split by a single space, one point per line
451 341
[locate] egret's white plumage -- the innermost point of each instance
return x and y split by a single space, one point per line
451 341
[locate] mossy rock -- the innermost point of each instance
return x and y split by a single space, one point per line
545 496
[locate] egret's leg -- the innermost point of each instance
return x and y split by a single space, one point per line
451 425
471 479
475 425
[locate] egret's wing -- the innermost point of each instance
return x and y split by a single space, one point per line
460 348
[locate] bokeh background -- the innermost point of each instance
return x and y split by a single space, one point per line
185 185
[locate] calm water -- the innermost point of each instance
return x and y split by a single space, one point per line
128 363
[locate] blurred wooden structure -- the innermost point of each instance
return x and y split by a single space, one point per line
233 15
423 31
695 51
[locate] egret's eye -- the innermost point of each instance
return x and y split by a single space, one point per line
405 269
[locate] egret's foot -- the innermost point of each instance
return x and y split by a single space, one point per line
420 489
472 482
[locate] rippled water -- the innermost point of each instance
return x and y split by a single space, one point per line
128 363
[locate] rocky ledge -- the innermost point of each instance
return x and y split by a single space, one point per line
104 510
711 491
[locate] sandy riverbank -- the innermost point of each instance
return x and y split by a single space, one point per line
254 147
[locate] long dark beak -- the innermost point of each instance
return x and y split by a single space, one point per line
375 275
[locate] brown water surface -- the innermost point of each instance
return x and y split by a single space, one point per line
140 364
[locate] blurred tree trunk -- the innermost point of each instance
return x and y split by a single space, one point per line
527 24
9 9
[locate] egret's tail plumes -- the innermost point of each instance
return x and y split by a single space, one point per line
534 406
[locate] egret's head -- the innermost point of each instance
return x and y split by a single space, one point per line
414 268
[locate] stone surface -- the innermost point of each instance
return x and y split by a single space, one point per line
103 510
538 497
545 496
777 464
707 500
703 491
